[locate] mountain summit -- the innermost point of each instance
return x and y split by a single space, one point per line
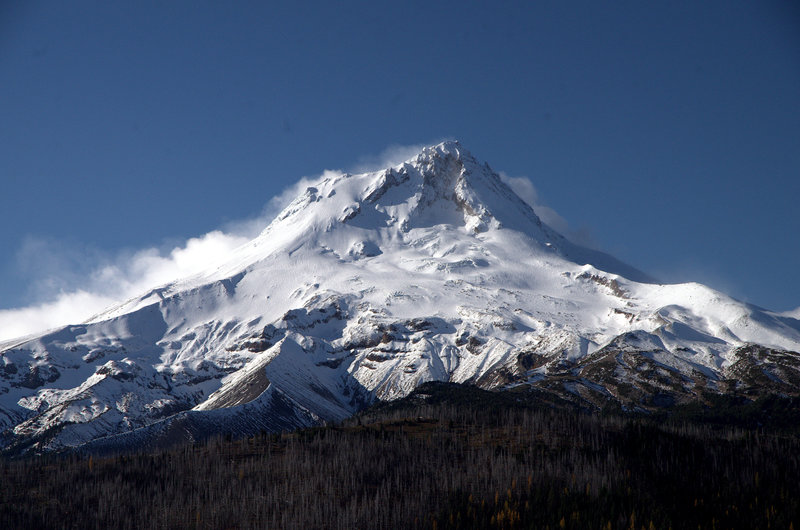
363 288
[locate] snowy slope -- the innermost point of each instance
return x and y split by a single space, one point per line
366 286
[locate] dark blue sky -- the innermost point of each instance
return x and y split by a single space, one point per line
667 131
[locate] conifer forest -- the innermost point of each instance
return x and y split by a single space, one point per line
447 456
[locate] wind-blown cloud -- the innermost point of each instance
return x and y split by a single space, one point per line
114 279
526 191
73 284
67 307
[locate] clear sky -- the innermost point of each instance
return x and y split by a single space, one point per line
666 133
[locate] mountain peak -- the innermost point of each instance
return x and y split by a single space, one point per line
442 188
446 149
429 188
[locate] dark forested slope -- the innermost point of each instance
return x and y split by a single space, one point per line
446 457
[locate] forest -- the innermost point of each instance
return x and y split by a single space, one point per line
448 456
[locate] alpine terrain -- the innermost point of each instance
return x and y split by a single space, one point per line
367 286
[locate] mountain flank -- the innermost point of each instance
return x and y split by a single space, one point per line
366 287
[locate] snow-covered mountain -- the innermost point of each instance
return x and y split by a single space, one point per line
363 288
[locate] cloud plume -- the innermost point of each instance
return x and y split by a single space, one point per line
71 284
526 191
114 279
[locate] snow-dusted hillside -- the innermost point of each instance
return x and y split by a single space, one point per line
368 285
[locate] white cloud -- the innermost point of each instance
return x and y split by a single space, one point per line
114 279
63 310
87 281
525 189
